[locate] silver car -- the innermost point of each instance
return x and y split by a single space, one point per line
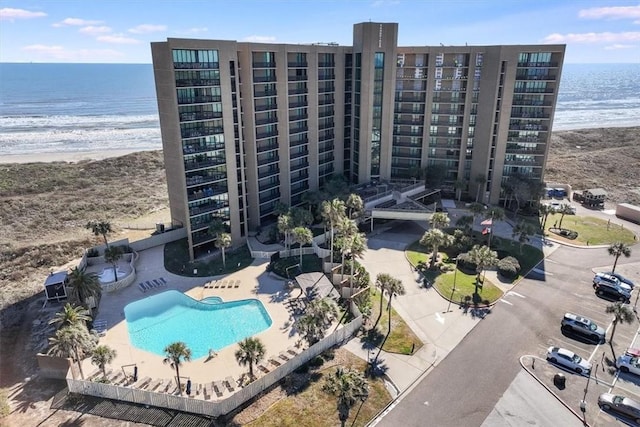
573 323
628 363
621 405
568 359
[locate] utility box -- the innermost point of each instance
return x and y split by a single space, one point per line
560 381
628 212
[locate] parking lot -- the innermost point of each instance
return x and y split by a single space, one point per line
571 291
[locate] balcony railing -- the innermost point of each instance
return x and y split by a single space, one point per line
536 77
401 143
410 98
328 113
268 134
200 115
298 91
299 154
268 173
527 126
301 165
206 192
326 101
189 165
326 125
326 137
196 65
268 185
297 78
537 64
269 197
264 79
197 82
298 104
297 64
299 188
522 162
405 110
530 115
199 99
266 121
327 77
197 148
532 90
266 107
406 133
207 207
298 117
261 93
204 179
193 133
329 64
258 64
533 102
267 160
296 142
261 148
326 89
298 130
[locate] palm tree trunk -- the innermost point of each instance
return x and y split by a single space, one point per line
434 256
615 263
104 236
224 261
379 311
178 378
613 331
351 277
115 272
342 268
300 256
75 351
104 372
251 368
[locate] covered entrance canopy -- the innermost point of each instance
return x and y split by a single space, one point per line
316 286
54 286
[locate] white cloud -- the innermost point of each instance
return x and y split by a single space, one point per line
260 39
76 22
10 14
60 53
590 38
147 28
614 12
382 3
95 30
620 46
117 39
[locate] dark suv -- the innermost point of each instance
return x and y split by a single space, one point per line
572 323
617 292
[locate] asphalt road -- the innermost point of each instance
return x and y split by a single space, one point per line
466 386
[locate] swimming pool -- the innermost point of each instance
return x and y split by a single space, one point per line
162 319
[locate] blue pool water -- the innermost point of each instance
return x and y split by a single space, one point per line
171 316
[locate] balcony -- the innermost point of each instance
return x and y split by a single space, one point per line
298 129
457 134
537 64
299 188
297 64
268 185
532 90
299 154
326 89
527 126
405 154
194 133
197 148
324 64
265 160
327 113
326 77
204 179
298 117
523 162
266 107
262 93
408 122
266 146
197 82
199 99
298 104
324 148
208 207
269 197
297 142
536 77
206 192
194 165
401 143
516 149
298 91
266 121
297 78
300 165
199 239
257 64
264 79
326 137
326 101
415 98
328 158
200 115
409 110
267 134
530 115
406 133
268 173
196 65
526 139
326 125
532 102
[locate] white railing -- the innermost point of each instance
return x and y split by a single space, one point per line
221 407
125 281
259 254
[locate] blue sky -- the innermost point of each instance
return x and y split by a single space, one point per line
119 31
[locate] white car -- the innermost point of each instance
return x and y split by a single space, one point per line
628 363
568 359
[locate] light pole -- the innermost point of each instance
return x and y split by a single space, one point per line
455 276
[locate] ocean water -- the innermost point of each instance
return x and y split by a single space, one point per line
74 108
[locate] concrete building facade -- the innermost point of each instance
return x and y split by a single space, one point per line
247 125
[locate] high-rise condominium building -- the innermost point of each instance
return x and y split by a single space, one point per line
247 125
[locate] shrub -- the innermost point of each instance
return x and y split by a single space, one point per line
466 264
92 252
126 249
445 268
509 267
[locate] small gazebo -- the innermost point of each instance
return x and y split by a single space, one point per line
316 286
55 286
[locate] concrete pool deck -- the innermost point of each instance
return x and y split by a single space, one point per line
255 282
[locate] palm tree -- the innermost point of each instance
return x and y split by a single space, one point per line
355 205
222 242
494 214
285 225
302 236
317 317
332 212
216 227
83 286
564 209
100 228
434 239
439 220
476 210
483 257
616 250
621 314
460 185
383 281
522 231
74 342
346 229
102 356
480 180
354 245
466 223
349 387
394 288
112 255
251 352
544 211
175 353
71 316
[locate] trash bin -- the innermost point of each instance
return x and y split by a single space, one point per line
559 380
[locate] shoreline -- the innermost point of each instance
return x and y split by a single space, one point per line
92 155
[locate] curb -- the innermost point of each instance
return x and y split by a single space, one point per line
549 389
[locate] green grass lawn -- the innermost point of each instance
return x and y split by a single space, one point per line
401 340
466 289
593 230
310 263
176 261
312 407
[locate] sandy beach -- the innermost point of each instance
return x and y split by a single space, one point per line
69 157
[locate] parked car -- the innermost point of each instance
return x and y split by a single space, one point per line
622 279
628 363
605 278
620 293
582 326
568 359
621 405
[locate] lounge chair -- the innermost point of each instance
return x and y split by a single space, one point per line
284 356
164 282
157 283
230 383
142 287
218 388
150 285
155 385
143 383
237 284
292 351
100 327
263 369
